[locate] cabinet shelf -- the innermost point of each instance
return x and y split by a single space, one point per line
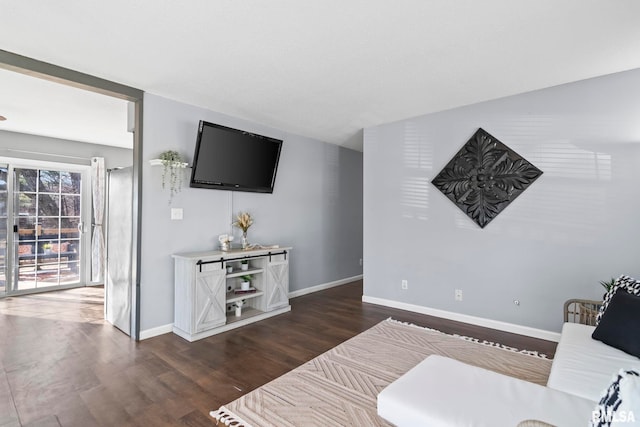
240 273
246 313
158 162
233 297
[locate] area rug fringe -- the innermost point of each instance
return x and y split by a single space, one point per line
475 340
228 418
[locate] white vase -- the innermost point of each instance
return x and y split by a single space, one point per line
244 286
239 305
244 267
245 242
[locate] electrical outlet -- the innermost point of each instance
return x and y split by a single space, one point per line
405 284
458 295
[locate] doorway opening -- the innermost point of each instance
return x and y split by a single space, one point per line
47 267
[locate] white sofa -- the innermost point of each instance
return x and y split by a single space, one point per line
444 392
583 366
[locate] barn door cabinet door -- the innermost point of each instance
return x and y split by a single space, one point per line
199 296
277 283
209 311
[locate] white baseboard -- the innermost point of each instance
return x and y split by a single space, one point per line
324 286
479 321
154 332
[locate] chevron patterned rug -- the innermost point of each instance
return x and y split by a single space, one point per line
340 386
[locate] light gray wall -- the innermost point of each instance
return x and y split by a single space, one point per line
25 146
576 225
316 207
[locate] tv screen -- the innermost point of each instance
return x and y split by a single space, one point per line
231 159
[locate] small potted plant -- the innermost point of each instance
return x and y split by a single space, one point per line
245 283
589 309
47 248
607 285
171 172
244 265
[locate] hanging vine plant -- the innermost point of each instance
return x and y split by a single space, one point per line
171 172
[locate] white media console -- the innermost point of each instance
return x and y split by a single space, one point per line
206 302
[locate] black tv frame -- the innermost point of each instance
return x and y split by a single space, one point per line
233 186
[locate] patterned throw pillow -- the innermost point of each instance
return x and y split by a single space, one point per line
627 283
620 403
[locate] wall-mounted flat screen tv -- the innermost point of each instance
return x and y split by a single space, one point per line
231 159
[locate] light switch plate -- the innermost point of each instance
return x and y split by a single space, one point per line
176 213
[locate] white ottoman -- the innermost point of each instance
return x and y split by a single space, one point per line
445 392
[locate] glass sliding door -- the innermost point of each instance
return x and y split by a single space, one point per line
48 237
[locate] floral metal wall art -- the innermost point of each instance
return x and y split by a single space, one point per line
484 177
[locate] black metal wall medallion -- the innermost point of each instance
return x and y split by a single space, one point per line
484 177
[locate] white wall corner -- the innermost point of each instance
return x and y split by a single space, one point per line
154 332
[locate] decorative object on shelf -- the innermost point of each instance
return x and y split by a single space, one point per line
47 248
245 282
225 242
172 172
238 306
243 222
244 265
229 269
484 177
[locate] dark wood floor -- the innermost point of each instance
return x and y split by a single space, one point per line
70 373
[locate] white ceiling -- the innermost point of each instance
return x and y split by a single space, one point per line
40 107
328 68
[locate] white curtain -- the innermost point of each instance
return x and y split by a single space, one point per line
97 238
